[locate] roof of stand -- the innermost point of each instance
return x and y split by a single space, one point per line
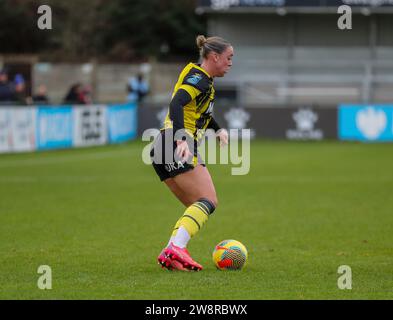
283 7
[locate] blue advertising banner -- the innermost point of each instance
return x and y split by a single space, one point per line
122 122
365 122
54 127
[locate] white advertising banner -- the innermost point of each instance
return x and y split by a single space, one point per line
23 125
5 129
90 126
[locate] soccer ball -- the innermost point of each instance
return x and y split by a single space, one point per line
230 255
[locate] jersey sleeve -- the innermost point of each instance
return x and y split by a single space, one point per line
213 125
195 82
176 112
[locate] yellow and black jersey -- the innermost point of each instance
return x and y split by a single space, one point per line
192 102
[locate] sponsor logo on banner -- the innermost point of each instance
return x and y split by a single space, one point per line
161 115
89 125
237 118
122 122
23 129
305 120
366 122
5 129
371 122
54 127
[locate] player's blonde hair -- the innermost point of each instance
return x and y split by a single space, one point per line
211 44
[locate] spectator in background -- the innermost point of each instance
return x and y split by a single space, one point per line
137 88
41 96
20 90
7 90
77 95
86 94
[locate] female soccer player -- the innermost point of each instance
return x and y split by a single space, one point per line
176 160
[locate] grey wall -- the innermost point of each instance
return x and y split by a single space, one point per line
301 29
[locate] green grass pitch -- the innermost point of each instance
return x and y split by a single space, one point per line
99 217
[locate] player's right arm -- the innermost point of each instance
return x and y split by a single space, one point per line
176 114
190 88
192 85
176 109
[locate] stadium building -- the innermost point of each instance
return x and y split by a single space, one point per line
292 52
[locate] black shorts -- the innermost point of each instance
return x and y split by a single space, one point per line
163 157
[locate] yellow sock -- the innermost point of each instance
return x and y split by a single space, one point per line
194 217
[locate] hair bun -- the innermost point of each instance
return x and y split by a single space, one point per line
200 41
